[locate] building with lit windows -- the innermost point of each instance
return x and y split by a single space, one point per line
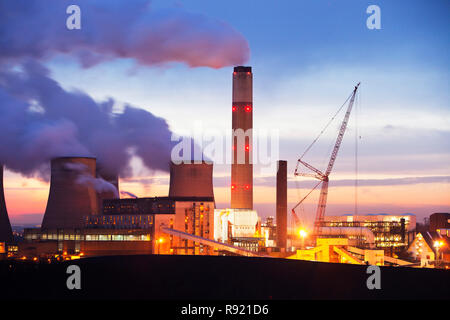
85 242
193 215
269 232
130 226
431 249
439 220
127 226
238 227
421 249
391 232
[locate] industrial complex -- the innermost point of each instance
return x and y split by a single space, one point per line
81 221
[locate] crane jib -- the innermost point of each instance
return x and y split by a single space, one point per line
323 177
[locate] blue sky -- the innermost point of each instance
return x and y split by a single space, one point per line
306 58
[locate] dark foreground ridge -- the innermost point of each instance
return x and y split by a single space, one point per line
208 277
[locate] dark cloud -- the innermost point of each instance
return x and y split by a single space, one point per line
113 29
40 120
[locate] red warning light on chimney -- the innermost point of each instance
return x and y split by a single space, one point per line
234 108
248 108
233 187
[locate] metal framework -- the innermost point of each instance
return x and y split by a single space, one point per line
323 177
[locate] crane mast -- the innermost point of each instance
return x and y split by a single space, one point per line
324 177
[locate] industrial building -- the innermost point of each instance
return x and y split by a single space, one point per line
81 218
390 232
127 226
439 220
238 227
75 243
339 250
269 232
135 225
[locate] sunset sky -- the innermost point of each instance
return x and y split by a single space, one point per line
306 58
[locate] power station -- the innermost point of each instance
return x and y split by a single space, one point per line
86 217
242 125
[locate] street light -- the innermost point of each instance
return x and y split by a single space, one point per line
160 241
438 245
302 233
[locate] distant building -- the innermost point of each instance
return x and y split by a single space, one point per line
46 243
421 249
391 231
427 247
439 220
238 227
129 226
269 232
193 215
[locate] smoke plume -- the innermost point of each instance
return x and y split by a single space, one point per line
40 120
100 185
113 29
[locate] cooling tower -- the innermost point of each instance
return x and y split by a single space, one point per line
282 204
5 226
191 180
242 123
72 193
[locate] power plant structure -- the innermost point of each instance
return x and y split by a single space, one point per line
72 193
5 226
240 224
192 180
86 217
281 204
242 125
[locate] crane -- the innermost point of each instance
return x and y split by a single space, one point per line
323 177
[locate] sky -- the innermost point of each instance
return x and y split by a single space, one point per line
306 58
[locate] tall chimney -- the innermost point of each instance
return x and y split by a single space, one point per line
71 196
242 122
282 203
5 226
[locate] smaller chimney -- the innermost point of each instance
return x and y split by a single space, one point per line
282 203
